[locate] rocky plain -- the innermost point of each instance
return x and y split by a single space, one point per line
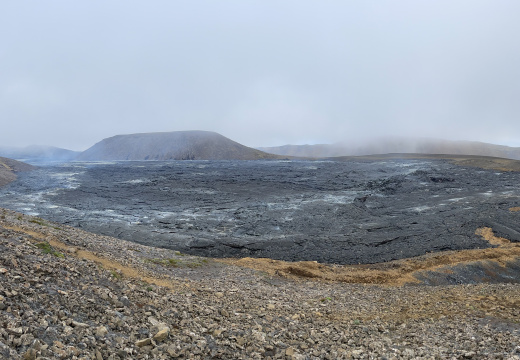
69 294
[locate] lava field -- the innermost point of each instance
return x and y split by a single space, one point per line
338 212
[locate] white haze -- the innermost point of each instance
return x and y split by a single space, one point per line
263 73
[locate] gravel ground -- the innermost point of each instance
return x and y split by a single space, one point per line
69 294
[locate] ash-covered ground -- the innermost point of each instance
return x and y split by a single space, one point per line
343 212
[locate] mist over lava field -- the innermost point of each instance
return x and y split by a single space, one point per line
343 212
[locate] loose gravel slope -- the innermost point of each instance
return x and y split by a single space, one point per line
66 293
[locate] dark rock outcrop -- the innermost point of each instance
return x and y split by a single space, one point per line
178 145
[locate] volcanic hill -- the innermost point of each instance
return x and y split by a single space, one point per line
396 145
9 168
177 145
38 153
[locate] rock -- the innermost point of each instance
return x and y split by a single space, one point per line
79 325
409 352
161 335
357 352
36 345
30 354
290 351
101 331
15 331
219 295
153 320
144 342
158 326
98 355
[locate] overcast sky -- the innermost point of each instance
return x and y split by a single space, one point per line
262 73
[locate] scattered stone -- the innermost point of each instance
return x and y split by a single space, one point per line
30 354
101 331
161 335
144 342
290 351
79 325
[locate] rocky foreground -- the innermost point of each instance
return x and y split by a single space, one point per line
68 294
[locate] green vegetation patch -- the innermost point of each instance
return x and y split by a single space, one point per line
48 249
42 222
38 221
115 274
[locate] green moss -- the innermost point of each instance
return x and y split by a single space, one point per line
48 249
39 222
42 222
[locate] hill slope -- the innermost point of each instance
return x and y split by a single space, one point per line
9 168
178 145
397 145
85 296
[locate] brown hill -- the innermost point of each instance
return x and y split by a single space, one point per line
397 145
178 145
9 168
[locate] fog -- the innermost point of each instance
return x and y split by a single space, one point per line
263 73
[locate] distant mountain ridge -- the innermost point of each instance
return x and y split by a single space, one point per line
177 145
397 145
38 153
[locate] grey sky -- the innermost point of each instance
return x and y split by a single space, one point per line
260 72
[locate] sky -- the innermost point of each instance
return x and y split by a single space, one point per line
263 73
